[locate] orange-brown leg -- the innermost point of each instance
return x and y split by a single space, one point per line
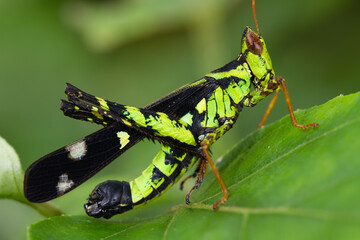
281 81
196 172
202 165
217 174
268 110
288 102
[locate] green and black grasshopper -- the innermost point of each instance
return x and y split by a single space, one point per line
186 122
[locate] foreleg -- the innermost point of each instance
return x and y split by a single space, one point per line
275 85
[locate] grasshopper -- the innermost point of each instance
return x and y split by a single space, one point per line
187 122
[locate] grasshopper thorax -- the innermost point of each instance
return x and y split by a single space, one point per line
253 49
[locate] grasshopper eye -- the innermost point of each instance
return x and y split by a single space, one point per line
253 43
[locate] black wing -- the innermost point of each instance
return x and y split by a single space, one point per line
66 168
57 173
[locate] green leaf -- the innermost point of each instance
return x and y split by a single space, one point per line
284 183
11 175
12 178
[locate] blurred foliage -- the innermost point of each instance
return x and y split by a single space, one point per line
295 189
311 44
12 178
105 26
11 174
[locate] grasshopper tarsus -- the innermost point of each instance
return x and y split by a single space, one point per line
307 127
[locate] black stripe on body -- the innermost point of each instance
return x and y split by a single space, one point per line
157 175
230 66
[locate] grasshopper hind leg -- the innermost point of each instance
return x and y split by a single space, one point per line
194 175
199 172
217 175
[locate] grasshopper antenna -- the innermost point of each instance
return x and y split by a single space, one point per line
254 13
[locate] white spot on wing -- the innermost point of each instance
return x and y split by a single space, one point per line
77 150
64 183
124 138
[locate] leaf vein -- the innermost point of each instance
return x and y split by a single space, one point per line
170 223
301 212
125 229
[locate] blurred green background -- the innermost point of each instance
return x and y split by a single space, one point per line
134 52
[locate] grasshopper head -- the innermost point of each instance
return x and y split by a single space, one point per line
254 50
